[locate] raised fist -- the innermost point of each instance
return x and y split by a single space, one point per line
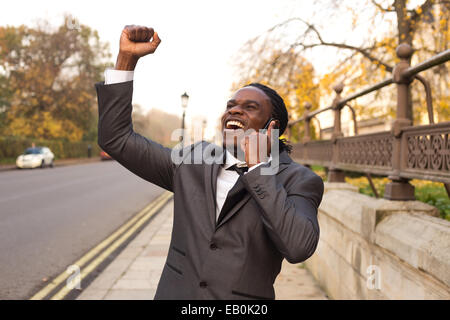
135 42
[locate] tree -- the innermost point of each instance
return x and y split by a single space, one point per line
47 78
155 124
424 27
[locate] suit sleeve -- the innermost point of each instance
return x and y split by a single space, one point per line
145 158
289 216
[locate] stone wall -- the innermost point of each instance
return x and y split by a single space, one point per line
379 249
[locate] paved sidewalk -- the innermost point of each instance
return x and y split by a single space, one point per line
135 273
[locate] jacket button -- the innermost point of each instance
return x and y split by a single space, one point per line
203 284
213 246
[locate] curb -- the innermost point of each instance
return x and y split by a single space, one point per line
135 272
64 284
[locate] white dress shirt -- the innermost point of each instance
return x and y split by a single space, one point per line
226 179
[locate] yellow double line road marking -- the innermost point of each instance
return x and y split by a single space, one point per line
110 243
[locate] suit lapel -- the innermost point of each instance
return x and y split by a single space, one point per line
211 172
236 198
238 195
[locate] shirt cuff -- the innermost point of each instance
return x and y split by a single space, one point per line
117 76
256 166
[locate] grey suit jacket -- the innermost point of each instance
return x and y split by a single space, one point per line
271 217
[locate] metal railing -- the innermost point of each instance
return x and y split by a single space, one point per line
403 153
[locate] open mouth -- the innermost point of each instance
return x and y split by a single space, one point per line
234 124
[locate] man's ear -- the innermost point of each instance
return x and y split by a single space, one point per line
274 124
277 124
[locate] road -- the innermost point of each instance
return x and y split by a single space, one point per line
51 217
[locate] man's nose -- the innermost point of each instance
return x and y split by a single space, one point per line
235 110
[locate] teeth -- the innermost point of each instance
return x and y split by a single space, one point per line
235 123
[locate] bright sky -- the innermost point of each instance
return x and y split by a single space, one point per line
199 38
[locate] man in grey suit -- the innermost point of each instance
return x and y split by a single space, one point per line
231 228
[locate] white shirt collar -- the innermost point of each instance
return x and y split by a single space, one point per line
231 160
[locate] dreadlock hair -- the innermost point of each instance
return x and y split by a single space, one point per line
279 112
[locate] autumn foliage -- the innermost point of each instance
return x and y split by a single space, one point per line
278 56
47 78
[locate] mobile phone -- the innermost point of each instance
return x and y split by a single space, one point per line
267 124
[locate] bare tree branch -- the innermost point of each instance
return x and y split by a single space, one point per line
379 6
310 27
425 7
362 51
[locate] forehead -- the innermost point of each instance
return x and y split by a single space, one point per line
251 93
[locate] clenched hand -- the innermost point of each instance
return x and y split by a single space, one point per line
135 42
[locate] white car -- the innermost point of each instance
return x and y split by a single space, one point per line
35 157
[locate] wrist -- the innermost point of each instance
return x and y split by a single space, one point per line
126 61
264 160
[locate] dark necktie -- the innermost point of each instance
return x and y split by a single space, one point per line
240 170
236 193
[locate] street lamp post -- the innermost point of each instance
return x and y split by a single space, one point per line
184 103
203 129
